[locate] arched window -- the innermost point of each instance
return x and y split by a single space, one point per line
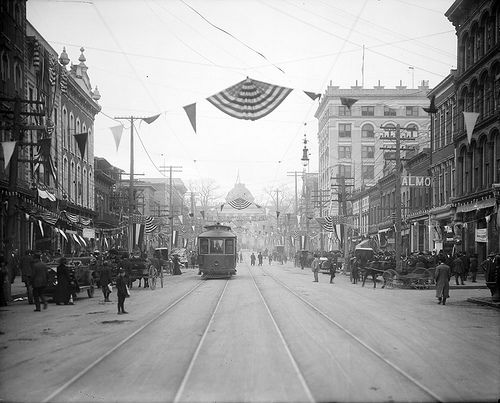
5 66
78 185
71 132
65 128
367 131
496 141
65 176
71 183
85 155
85 188
18 77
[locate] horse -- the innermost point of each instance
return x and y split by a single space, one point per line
373 269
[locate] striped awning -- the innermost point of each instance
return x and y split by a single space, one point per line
249 99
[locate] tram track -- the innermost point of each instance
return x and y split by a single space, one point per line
120 344
326 317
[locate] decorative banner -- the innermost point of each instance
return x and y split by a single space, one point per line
81 140
298 219
150 225
63 234
106 242
181 219
184 242
117 134
348 102
239 203
84 242
303 240
470 119
432 107
139 234
41 228
312 95
191 113
151 119
76 239
174 238
8 149
249 99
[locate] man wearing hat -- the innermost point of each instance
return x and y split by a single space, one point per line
121 291
39 281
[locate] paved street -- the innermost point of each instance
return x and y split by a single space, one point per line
268 334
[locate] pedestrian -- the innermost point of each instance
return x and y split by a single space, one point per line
74 286
252 259
259 257
194 259
270 259
105 281
473 267
26 272
458 269
315 266
241 256
176 265
121 291
63 291
39 281
466 264
332 267
442 277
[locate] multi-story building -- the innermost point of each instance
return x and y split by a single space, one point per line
348 140
477 149
442 164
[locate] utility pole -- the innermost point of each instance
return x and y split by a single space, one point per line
397 201
131 197
342 208
319 198
171 169
17 136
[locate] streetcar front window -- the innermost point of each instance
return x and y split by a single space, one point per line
229 247
203 246
216 246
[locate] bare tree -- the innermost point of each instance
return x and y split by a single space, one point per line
281 197
206 190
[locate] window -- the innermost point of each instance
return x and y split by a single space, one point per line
203 246
216 246
367 111
389 111
412 111
344 151
344 130
5 67
229 247
367 131
368 172
344 171
367 152
344 111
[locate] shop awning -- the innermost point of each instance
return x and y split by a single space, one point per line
477 205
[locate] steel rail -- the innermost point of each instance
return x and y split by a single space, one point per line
357 339
117 346
301 377
182 386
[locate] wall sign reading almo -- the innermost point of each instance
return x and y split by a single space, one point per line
416 181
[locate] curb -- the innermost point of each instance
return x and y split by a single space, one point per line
484 301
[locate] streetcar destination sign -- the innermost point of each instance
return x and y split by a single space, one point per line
416 181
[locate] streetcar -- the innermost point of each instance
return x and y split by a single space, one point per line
217 251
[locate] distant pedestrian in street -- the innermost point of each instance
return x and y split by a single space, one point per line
176 262
270 259
473 265
458 269
121 291
26 272
39 282
442 277
259 257
315 266
63 290
241 257
252 259
331 265
105 281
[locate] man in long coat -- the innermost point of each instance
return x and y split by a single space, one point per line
39 281
442 277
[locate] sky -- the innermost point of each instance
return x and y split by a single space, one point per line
156 56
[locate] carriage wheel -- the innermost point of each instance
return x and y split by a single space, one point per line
389 277
152 276
161 276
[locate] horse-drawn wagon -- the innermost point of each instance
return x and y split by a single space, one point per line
83 269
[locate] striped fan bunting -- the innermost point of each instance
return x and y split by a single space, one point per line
239 203
249 99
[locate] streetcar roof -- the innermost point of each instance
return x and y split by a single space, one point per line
217 234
